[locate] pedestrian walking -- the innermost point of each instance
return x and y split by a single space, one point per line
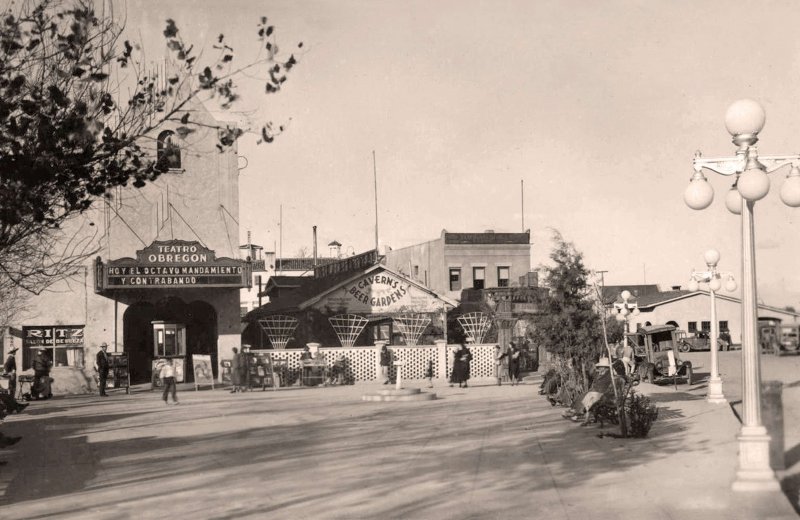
10 371
386 360
101 366
461 366
41 376
499 364
167 374
237 370
514 361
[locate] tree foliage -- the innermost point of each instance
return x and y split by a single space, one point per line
569 324
79 112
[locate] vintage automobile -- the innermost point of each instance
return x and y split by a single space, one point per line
778 338
656 352
699 341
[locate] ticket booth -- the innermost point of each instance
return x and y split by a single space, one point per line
169 345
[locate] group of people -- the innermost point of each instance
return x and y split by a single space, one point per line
508 362
8 404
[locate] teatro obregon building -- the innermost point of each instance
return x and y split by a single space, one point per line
166 278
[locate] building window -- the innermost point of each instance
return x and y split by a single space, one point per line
705 326
692 327
416 271
382 332
455 279
723 326
478 277
168 153
503 274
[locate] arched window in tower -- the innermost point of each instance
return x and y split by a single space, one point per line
168 153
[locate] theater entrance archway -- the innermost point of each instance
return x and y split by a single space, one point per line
199 317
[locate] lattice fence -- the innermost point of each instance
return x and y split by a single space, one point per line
279 329
361 361
482 364
417 359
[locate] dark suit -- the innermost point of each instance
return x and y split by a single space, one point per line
10 368
102 370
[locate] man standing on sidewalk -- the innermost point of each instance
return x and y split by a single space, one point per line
10 370
167 374
101 365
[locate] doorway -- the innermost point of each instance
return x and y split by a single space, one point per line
199 317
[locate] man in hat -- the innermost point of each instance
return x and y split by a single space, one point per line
10 371
601 386
101 365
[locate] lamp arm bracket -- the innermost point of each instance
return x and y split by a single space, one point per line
776 162
701 276
721 165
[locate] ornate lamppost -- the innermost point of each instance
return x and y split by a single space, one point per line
713 278
626 311
744 120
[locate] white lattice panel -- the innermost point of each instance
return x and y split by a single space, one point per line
482 364
361 361
416 359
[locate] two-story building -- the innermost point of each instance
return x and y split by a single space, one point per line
457 261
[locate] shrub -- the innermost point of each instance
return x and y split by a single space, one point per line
641 414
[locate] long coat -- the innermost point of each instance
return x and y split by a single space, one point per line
461 365
238 368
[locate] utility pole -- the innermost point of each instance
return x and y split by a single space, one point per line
602 289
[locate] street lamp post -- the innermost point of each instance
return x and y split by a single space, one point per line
712 277
744 120
626 311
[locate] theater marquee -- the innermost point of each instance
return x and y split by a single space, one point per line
171 265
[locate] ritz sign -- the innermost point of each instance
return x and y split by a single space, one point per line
172 264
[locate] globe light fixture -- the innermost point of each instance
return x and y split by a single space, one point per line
745 117
744 120
699 194
790 191
712 277
733 201
753 183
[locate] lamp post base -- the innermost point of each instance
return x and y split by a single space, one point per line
715 394
754 472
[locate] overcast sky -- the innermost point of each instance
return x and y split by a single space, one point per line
597 106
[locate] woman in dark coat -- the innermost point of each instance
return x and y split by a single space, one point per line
238 368
461 362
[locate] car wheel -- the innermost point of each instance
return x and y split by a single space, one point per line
684 347
689 374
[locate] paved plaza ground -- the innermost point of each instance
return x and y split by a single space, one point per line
482 452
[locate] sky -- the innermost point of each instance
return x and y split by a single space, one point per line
597 107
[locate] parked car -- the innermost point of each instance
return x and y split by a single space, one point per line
656 353
777 338
701 340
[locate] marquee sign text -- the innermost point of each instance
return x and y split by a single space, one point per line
172 264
